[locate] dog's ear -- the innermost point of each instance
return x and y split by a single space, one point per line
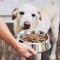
14 13
39 15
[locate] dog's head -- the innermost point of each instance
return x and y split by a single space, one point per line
26 15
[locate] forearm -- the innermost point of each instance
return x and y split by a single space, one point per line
7 36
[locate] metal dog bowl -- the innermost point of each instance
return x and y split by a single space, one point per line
39 47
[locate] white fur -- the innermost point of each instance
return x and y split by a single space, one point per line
50 15
50 19
28 10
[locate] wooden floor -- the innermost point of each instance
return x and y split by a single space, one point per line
8 53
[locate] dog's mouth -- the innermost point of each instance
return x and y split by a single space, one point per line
26 27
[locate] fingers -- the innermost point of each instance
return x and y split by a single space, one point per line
32 51
27 55
27 51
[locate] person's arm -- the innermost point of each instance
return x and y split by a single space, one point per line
6 35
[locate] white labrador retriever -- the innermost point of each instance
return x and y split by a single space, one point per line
29 17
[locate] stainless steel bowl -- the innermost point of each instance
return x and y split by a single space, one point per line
39 47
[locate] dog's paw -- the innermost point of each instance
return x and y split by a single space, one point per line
53 57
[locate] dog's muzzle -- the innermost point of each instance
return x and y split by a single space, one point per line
26 25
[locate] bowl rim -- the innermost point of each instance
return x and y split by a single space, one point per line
22 32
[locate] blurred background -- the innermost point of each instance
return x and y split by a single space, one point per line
6 8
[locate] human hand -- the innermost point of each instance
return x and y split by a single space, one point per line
25 50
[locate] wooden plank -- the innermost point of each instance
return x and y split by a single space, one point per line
7 52
0 49
3 50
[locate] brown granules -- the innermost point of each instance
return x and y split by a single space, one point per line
33 37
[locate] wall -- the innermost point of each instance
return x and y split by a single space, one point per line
6 6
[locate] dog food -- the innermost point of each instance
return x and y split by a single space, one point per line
34 37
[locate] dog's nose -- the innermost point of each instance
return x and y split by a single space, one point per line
27 25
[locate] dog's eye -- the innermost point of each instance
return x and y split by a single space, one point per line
21 13
33 15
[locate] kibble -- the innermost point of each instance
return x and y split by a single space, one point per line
33 37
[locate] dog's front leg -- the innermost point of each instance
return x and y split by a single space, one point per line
53 53
55 30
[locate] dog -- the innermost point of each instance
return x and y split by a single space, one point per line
43 18
25 17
